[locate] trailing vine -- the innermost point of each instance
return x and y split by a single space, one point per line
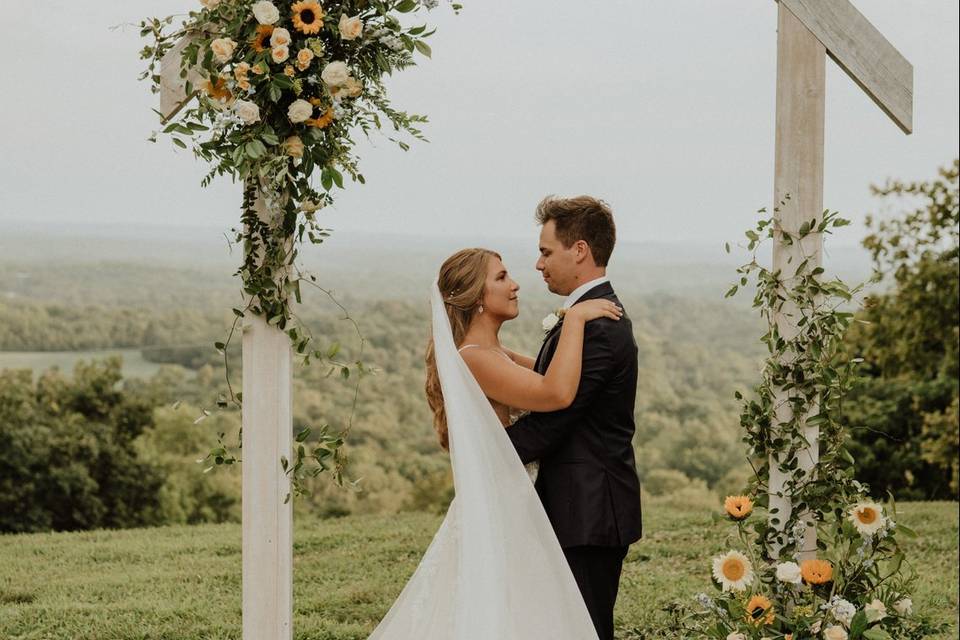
271 97
857 582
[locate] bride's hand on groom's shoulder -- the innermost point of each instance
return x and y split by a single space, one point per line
592 309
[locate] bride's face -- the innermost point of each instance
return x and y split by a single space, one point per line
500 291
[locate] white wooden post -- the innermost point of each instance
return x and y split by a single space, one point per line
808 31
798 173
267 416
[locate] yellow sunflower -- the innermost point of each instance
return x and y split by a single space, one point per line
738 507
322 121
816 571
261 39
759 610
307 16
217 89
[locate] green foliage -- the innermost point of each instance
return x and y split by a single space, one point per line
258 112
801 384
69 461
908 339
804 384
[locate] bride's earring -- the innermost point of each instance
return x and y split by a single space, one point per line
481 309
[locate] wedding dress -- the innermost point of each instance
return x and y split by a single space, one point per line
494 570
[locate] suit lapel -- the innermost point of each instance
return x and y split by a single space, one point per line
602 290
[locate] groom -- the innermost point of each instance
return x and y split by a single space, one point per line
588 480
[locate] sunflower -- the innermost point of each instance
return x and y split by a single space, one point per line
307 16
816 571
733 571
867 517
217 89
322 121
759 610
738 507
261 39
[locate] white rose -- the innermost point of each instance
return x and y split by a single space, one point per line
350 28
247 111
210 4
299 110
280 37
789 572
223 49
335 73
843 611
815 627
904 607
835 632
280 54
265 12
550 321
875 611
736 635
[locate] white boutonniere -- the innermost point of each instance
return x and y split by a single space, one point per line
552 319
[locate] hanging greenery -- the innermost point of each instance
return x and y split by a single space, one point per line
273 96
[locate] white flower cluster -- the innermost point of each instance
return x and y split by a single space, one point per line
388 39
841 610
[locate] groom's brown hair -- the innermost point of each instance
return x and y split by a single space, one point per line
581 218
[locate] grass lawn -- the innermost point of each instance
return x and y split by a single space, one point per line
184 582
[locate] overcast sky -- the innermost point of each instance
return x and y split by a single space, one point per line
663 108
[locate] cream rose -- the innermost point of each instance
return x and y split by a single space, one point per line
265 12
834 632
335 73
789 572
280 37
209 4
293 147
299 110
875 611
904 606
350 28
223 49
247 111
304 58
736 635
280 54
352 87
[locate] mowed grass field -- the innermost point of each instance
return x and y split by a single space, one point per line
184 582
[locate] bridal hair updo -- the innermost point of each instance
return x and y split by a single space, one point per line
461 282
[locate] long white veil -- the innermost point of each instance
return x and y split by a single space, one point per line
494 570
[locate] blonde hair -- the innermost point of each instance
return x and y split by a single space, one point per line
461 281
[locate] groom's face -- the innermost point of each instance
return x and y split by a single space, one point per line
557 264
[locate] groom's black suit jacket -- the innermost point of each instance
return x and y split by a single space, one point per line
588 476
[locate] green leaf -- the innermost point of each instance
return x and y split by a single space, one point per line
876 634
423 47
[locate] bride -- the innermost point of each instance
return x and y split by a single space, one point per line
494 570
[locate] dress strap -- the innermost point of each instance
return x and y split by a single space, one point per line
467 346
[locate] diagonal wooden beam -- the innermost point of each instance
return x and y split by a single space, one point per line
862 51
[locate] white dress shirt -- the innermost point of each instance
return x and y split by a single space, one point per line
582 289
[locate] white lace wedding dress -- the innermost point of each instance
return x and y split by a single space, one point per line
494 570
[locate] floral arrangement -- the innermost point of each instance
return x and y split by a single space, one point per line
855 588
271 94
853 584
